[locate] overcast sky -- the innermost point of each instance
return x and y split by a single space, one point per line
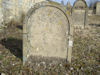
72 1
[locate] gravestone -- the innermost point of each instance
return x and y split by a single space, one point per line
26 4
46 33
98 8
1 17
79 14
10 10
79 18
15 9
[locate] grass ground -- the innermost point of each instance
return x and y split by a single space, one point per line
85 56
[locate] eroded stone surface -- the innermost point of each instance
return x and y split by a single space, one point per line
98 8
46 32
79 14
1 18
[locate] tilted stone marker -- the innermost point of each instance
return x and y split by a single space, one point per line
46 32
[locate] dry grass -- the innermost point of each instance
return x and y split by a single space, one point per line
85 60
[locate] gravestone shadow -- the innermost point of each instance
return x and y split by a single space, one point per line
14 45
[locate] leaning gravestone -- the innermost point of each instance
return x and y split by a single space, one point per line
46 32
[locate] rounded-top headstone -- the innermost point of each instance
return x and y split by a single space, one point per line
46 31
80 4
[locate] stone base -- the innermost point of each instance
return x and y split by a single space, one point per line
46 60
46 65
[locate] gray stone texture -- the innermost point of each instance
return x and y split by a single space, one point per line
80 4
1 17
79 13
79 18
46 31
9 9
98 8
26 4
90 12
13 9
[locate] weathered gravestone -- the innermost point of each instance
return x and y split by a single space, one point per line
1 17
79 14
46 33
10 10
26 4
98 8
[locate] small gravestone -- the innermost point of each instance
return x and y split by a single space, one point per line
46 33
79 14
1 17
10 10
98 8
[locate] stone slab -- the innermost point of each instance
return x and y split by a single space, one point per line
98 8
46 31
79 18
